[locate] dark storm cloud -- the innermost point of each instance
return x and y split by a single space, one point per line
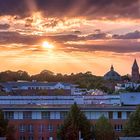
4 26
63 8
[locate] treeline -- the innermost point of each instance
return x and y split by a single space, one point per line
84 80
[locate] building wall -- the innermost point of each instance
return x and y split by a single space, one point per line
35 126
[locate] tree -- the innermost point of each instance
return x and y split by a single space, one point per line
132 127
6 130
3 125
75 122
104 129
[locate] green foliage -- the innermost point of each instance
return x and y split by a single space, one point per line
84 80
104 129
132 127
5 130
126 77
13 76
75 122
3 125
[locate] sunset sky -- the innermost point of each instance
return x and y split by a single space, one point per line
67 36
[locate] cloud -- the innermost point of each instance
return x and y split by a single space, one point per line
8 37
131 35
15 37
4 26
87 8
13 7
97 36
116 47
98 41
91 8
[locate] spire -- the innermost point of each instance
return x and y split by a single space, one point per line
135 65
112 68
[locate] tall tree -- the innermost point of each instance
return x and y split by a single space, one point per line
132 127
3 125
104 129
6 130
75 124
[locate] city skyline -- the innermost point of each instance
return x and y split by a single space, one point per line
70 36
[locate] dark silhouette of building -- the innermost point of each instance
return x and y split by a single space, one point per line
135 72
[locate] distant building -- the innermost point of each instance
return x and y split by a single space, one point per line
112 75
37 87
124 86
135 72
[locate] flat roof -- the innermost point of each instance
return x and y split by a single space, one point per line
90 107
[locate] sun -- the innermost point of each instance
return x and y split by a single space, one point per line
47 45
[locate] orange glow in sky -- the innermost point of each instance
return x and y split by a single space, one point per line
47 45
70 40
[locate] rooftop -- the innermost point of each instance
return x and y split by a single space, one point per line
93 107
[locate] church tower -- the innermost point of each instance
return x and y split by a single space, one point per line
135 72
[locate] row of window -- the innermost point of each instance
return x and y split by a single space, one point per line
44 88
118 127
119 114
32 138
47 115
50 127
41 128
28 115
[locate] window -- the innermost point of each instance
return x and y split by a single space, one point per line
45 115
58 126
41 128
118 127
22 138
27 115
63 115
50 127
119 115
49 138
110 115
22 128
30 128
41 138
30 138
9 115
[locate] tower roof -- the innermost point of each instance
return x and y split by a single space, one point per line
112 68
135 65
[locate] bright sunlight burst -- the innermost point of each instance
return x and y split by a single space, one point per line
47 45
